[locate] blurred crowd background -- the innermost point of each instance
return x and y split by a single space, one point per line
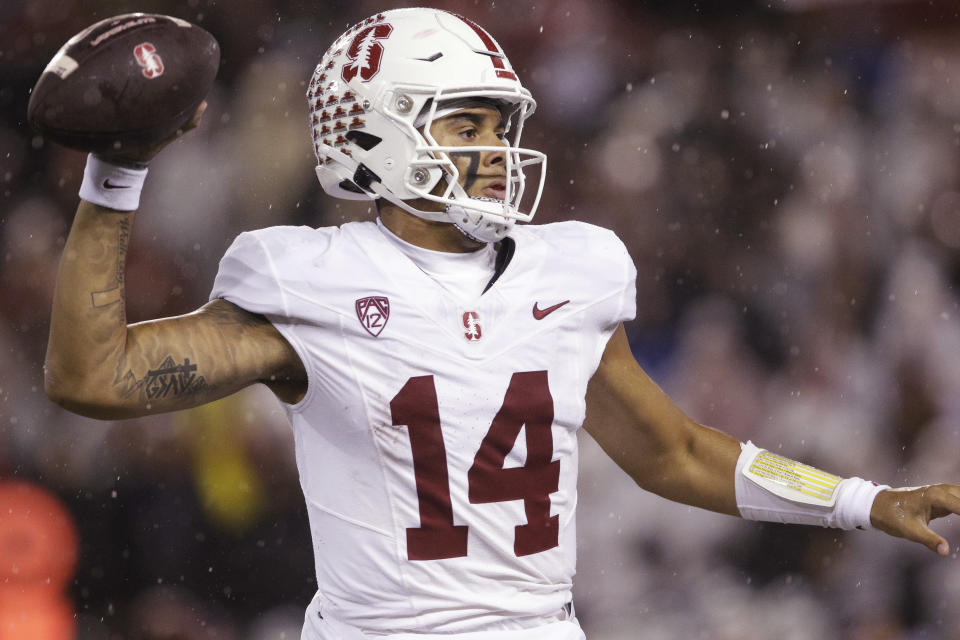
786 175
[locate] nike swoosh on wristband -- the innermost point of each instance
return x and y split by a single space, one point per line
109 185
540 314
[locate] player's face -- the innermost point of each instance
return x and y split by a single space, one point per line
482 173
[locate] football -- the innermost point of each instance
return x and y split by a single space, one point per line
124 82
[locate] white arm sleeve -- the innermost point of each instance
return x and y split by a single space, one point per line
776 489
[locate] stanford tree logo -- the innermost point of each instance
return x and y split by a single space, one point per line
471 322
365 52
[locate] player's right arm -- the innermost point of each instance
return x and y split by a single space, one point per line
100 367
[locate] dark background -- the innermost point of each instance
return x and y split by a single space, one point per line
786 177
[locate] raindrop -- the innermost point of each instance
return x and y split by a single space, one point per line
92 97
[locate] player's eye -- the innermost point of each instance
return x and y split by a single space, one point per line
469 134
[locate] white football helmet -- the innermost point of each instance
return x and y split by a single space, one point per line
386 79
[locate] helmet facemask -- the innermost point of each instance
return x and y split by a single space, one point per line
484 219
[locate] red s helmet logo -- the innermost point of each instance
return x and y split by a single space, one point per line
365 52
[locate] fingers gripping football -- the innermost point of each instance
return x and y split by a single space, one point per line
906 513
147 152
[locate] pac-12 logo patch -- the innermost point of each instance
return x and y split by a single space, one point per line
150 61
373 312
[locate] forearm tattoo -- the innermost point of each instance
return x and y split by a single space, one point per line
114 294
123 241
169 380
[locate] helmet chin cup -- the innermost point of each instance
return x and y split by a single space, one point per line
481 227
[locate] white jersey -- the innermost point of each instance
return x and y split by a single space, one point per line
437 440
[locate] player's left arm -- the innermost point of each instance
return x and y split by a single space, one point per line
668 453
655 442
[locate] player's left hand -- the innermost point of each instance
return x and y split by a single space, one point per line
905 513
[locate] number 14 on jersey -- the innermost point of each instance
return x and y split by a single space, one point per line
527 402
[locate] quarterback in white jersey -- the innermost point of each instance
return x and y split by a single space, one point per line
437 440
436 364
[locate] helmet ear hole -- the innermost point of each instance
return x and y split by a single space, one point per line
362 177
364 140
346 185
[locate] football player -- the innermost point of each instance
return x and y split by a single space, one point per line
436 364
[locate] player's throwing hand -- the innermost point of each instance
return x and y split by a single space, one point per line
143 155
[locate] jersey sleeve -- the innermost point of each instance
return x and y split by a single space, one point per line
248 277
261 269
613 280
607 276
623 303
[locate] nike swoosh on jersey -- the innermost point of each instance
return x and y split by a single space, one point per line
109 185
540 314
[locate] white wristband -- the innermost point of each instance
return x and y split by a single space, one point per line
854 503
776 489
112 186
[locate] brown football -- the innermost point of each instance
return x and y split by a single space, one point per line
124 82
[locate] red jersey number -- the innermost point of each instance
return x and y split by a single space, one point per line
527 402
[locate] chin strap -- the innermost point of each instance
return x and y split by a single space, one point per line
434 216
